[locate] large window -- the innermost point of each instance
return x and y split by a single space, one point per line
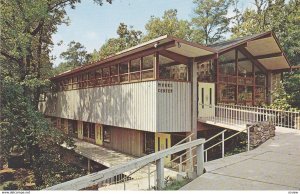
239 80
172 70
106 134
135 69
227 93
206 72
147 67
89 130
131 70
72 126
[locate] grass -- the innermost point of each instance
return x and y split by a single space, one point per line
176 185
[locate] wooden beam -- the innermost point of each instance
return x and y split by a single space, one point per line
206 58
230 48
175 56
258 57
291 68
245 52
269 56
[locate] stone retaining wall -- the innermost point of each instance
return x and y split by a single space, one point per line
260 133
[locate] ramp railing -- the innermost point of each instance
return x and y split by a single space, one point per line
240 114
158 157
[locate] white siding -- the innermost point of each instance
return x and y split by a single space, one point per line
136 105
173 107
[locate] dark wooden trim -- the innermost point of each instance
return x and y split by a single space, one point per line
269 56
223 51
245 52
291 68
206 58
193 44
114 60
237 76
245 42
175 56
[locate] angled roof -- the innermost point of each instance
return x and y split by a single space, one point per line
230 43
169 43
264 48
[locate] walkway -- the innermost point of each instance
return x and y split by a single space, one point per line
111 158
275 165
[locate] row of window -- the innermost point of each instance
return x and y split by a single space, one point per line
139 69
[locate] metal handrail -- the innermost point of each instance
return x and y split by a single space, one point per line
225 139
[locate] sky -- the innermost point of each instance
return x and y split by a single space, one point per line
91 24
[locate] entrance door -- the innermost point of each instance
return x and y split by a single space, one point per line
206 98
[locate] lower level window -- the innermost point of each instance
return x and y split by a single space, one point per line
106 134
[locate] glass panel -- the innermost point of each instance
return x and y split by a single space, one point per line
226 93
92 131
172 70
124 68
148 62
135 65
245 73
105 75
86 128
106 134
114 70
244 94
206 72
260 95
226 57
98 73
135 76
124 78
260 77
147 74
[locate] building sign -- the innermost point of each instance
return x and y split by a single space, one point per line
165 87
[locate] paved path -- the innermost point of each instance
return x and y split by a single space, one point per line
275 165
111 158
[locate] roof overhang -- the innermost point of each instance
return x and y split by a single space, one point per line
265 49
164 43
268 52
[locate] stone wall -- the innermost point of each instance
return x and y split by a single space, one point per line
260 133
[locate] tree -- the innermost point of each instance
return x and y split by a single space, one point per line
282 18
23 129
210 22
26 31
291 84
169 24
127 37
280 98
75 56
278 16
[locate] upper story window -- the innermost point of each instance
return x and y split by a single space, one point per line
172 70
133 70
206 72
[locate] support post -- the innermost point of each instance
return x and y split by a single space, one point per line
200 159
160 173
248 136
89 166
180 164
223 146
149 184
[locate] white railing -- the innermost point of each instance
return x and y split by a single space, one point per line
184 158
116 174
239 115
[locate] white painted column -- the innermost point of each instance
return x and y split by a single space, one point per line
160 173
200 159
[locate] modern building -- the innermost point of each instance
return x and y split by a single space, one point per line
149 97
